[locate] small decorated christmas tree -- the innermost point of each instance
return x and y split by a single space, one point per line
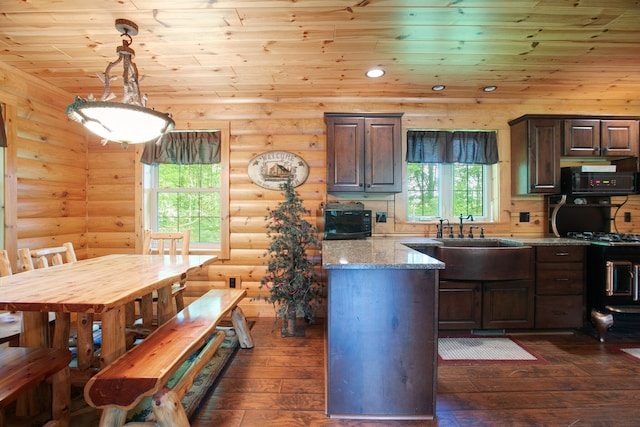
290 275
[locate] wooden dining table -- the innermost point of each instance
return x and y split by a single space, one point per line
103 286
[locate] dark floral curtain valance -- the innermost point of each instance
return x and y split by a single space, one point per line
471 147
3 132
184 148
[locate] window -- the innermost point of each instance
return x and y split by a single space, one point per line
186 197
449 173
448 191
186 185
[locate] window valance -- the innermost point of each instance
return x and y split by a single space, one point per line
184 148
471 147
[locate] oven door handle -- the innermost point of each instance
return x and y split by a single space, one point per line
609 284
636 284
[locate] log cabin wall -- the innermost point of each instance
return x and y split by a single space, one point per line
45 167
69 189
258 126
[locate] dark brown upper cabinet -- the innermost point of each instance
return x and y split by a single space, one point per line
539 141
364 152
535 155
596 138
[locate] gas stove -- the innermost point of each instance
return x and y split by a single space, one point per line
608 239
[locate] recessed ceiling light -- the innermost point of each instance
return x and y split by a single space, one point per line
374 73
438 88
489 88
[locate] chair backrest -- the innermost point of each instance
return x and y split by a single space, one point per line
154 242
5 263
44 257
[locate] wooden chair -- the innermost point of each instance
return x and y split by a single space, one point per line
164 243
31 259
10 323
42 258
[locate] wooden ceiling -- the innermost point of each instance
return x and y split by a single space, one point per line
275 49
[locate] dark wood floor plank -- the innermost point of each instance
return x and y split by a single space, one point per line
582 382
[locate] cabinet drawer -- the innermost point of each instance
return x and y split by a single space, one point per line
559 312
559 278
559 253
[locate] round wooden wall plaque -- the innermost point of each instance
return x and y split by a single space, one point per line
270 170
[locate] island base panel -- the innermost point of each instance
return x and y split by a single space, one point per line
382 343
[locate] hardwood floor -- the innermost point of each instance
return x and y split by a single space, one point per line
280 383
584 383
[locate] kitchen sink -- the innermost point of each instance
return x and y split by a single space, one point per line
481 259
477 243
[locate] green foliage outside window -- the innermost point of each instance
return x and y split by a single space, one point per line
445 190
188 197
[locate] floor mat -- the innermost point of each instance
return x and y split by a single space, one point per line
633 352
480 349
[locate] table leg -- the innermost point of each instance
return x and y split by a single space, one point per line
34 333
146 310
166 308
113 335
35 329
84 325
62 331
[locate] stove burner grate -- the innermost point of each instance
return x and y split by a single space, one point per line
605 237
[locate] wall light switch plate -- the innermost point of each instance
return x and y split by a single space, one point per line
381 217
525 217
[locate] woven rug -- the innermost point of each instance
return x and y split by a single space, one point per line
483 350
203 384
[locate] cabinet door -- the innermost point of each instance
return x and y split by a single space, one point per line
581 138
345 153
460 305
508 304
544 138
619 138
383 151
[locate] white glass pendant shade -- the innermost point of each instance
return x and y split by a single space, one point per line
129 121
124 123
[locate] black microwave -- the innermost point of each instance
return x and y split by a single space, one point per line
575 181
347 224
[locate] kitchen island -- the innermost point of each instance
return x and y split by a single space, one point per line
382 329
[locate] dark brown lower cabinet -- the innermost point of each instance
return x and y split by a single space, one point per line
460 305
560 301
508 304
381 343
504 304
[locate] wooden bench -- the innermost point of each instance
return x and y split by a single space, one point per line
22 368
146 368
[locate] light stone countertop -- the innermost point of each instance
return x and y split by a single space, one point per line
375 252
392 252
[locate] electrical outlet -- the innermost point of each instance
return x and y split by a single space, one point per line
525 217
233 282
627 217
381 217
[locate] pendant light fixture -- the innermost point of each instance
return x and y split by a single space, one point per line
129 121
